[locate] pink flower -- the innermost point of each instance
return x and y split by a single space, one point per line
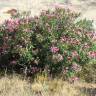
76 67
12 24
63 39
57 58
27 30
73 79
69 40
74 41
13 62
74 54
78 32
65 70
27 20
60 57
34 70
69 58
86 46
92 54
94 36
54 49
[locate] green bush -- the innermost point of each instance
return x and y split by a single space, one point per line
53 42
88 72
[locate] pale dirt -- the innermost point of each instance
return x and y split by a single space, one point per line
86 7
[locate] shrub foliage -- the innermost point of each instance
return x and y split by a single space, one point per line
54 42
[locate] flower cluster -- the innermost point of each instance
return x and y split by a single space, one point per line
34 70
57 58
69 40
66 69
92 54
74 54
73 79
13 62
76 67
54 49
12 24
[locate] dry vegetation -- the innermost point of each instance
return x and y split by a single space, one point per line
15 86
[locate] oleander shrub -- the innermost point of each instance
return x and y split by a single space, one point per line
53 42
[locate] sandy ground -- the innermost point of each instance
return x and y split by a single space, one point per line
36 6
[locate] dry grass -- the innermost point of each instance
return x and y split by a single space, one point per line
15 86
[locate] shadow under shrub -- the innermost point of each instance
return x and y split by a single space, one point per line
53 42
